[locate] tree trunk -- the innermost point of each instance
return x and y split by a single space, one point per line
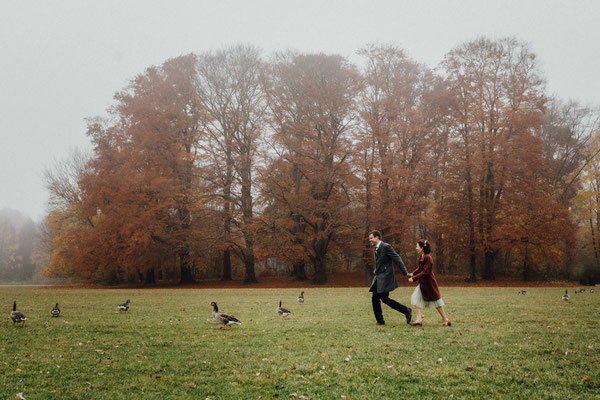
227 217
299 272
320 272
526 269
471 227
247 215
440 254
594 241
150 276
185 267
250 276
226 265
488 269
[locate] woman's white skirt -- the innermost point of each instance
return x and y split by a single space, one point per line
417 300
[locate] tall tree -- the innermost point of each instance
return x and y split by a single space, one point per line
229 84
140 190
312 100
501 99
393 142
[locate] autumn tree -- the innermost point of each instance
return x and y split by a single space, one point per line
394 142
499 106
65 221
312 101
140 193
229 87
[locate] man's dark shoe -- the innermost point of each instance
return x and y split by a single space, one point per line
409 315
381 323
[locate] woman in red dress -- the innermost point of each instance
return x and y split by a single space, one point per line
427 293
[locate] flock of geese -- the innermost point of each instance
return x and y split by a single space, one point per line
229 320
221 317
566 296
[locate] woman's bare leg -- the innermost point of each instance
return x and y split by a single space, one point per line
442 313
419 316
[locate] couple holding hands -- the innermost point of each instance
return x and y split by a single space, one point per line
426 294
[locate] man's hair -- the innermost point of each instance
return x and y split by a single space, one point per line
376 233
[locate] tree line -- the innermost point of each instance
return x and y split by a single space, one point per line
228 158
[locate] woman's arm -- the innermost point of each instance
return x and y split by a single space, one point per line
427 267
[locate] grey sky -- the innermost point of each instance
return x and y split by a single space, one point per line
62 61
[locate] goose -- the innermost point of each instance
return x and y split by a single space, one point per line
522 292
301 298
17 316
223 318
579 290
592 290
282 311
124 306
565 296
55 311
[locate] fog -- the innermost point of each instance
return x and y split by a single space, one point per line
61 62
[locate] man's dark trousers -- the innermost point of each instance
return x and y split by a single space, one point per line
385 297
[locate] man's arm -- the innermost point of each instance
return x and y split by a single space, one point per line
397 259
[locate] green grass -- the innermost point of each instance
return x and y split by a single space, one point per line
501 345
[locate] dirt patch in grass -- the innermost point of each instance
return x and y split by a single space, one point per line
343 279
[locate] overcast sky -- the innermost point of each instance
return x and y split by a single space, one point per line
62 61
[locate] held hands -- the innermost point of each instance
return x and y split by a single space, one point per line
410 279
410 274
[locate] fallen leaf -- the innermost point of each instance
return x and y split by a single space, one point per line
469 368
18 370
323 354
20 396
439 360
586 378
28 355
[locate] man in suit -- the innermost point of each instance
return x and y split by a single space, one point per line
385 280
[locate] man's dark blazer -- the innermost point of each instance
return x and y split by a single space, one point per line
385 280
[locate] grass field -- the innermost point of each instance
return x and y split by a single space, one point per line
167 346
